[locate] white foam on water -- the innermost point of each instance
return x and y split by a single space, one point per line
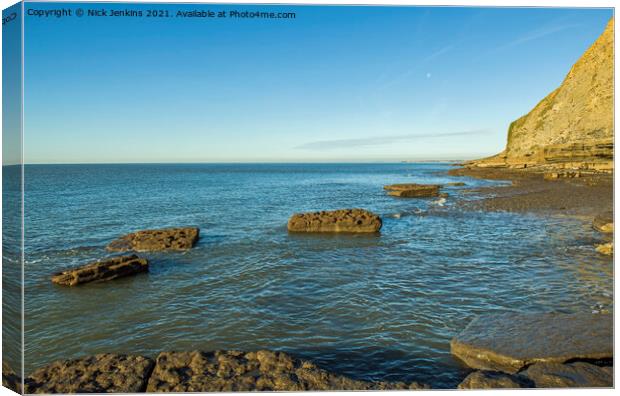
439 202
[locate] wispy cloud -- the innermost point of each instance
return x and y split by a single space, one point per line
382 140
437 53
537 34
411 70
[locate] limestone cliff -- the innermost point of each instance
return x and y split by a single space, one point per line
572 128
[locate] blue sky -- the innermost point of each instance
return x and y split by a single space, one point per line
333 84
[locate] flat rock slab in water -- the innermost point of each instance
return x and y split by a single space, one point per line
494 380
508 342
226 371
157 240
103 270
411 190
343 220
105 373
572 375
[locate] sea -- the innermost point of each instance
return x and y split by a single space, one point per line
378 306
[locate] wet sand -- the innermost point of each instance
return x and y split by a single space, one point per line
586 196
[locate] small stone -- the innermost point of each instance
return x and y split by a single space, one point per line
455 184
493 380
343 220
103 270
572 375
157 240
104 373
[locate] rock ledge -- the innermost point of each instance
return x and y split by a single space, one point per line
217 371
157 240
103 270
509 342
412 190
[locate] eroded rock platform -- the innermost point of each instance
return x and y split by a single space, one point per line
157 240
342 220
509 342
217 371
227 371
104 373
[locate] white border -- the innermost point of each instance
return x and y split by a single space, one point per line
478 3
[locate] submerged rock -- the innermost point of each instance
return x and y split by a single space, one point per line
605 248
604 223
572 375
103 270
343 220
412 190
227 371
494 380
104 373
455 184
510 341
157 240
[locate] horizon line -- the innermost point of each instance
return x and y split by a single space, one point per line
246 162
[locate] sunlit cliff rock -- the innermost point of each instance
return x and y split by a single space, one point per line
571 128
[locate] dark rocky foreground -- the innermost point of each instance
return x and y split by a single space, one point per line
549 350
225 371
343 220
11 380
93 374
570 375
103 270
157 240
483 379
219 371
506 350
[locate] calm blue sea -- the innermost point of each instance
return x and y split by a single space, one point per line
380 307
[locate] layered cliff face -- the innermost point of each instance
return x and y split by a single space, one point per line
572 128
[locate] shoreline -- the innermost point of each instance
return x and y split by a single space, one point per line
587 196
